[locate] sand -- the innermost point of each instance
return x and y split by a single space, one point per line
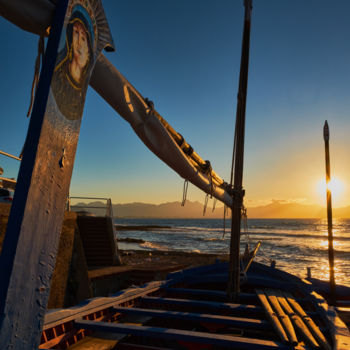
159 258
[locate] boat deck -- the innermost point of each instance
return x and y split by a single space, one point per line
190 310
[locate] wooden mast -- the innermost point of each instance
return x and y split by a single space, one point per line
329 217
237 161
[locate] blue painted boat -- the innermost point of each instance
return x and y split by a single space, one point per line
190 310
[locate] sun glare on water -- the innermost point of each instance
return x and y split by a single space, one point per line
336 187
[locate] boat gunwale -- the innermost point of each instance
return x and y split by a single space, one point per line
336 328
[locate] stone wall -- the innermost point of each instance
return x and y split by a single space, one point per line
70 283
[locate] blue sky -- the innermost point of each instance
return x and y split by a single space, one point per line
185 56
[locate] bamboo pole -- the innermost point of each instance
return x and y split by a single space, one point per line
329 217
284 319
308 321
297 321
272 315
237 161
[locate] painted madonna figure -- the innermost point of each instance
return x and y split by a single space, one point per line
70 79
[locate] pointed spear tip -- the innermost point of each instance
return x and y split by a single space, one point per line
326 131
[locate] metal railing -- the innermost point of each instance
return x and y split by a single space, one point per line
10 155
12 181
7 179
108 206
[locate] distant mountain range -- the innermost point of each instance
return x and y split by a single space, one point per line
276 209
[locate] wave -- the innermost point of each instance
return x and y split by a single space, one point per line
210 239
153 246
273 235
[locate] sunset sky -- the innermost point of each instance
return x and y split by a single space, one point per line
184 55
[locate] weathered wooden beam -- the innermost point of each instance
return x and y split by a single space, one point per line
190 316
233 309
218 295
54 318
30 246
182 335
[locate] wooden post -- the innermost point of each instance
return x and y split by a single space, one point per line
30 245
329 217
238 192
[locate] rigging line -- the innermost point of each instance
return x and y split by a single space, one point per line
39 58
245 225
211 185
184 193
224 226
214 204
205 203
233 154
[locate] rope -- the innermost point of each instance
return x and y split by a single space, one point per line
224 231
245 225
184 193
205 203
150 105
214 205
233 155
39 58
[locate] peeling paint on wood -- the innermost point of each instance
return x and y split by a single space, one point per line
30 245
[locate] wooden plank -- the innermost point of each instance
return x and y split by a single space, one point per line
271 315
285 320
203 293
29 250
129 346
233 309
98 341
190 316
56 317
183 335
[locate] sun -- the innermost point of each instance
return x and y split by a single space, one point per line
336 187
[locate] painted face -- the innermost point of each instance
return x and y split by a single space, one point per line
80 45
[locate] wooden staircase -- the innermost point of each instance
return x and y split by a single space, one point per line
98 238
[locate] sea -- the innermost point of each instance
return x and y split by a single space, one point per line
294 244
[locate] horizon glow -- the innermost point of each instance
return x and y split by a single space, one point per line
185 57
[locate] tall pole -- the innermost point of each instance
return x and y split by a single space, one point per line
31 242
329 217
237 161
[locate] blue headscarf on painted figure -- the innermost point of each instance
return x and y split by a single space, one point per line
73 65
